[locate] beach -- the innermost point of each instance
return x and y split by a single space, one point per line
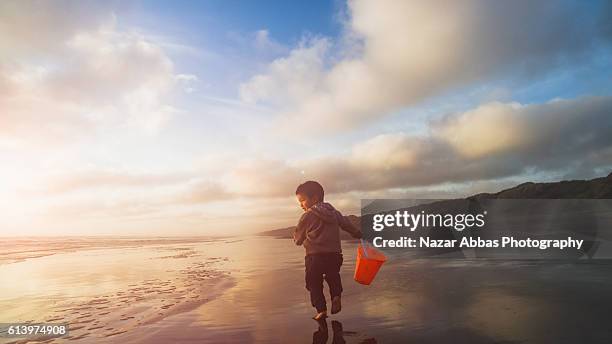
250 289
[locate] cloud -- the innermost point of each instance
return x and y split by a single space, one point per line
264 43
554 133
492 141
40 27
489 129
202 191
104 210
263 178
386 151
120 197
289 79
64 79
109 180
408 51
187 81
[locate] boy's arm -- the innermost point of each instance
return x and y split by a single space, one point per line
299 234
347 226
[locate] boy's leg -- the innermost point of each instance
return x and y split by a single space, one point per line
332 274
314 282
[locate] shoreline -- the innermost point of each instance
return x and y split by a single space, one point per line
19 249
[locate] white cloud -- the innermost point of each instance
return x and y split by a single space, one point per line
489 129
289 79
187 81
262 178
412 50
95 77
264 43
387 151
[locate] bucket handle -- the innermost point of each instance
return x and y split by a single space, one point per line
363 245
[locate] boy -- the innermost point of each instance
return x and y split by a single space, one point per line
319 231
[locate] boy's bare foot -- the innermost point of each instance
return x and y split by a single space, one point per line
320 316
336 305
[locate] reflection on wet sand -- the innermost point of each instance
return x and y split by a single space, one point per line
321 335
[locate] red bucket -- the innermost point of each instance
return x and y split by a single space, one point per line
369 261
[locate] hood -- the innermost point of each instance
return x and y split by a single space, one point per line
325 212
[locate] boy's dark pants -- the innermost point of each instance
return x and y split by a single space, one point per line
322 266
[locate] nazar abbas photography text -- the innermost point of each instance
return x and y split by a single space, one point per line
404 220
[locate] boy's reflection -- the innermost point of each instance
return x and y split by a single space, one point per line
321 335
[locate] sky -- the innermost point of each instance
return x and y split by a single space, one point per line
202 117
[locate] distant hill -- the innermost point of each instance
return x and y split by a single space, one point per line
599 188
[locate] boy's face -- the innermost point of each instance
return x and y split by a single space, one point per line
305 201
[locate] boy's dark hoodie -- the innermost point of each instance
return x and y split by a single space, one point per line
319 229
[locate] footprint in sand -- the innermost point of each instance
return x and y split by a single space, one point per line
81 336
84 321
114 333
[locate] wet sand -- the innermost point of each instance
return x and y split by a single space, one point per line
411 300
103 292
251 290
